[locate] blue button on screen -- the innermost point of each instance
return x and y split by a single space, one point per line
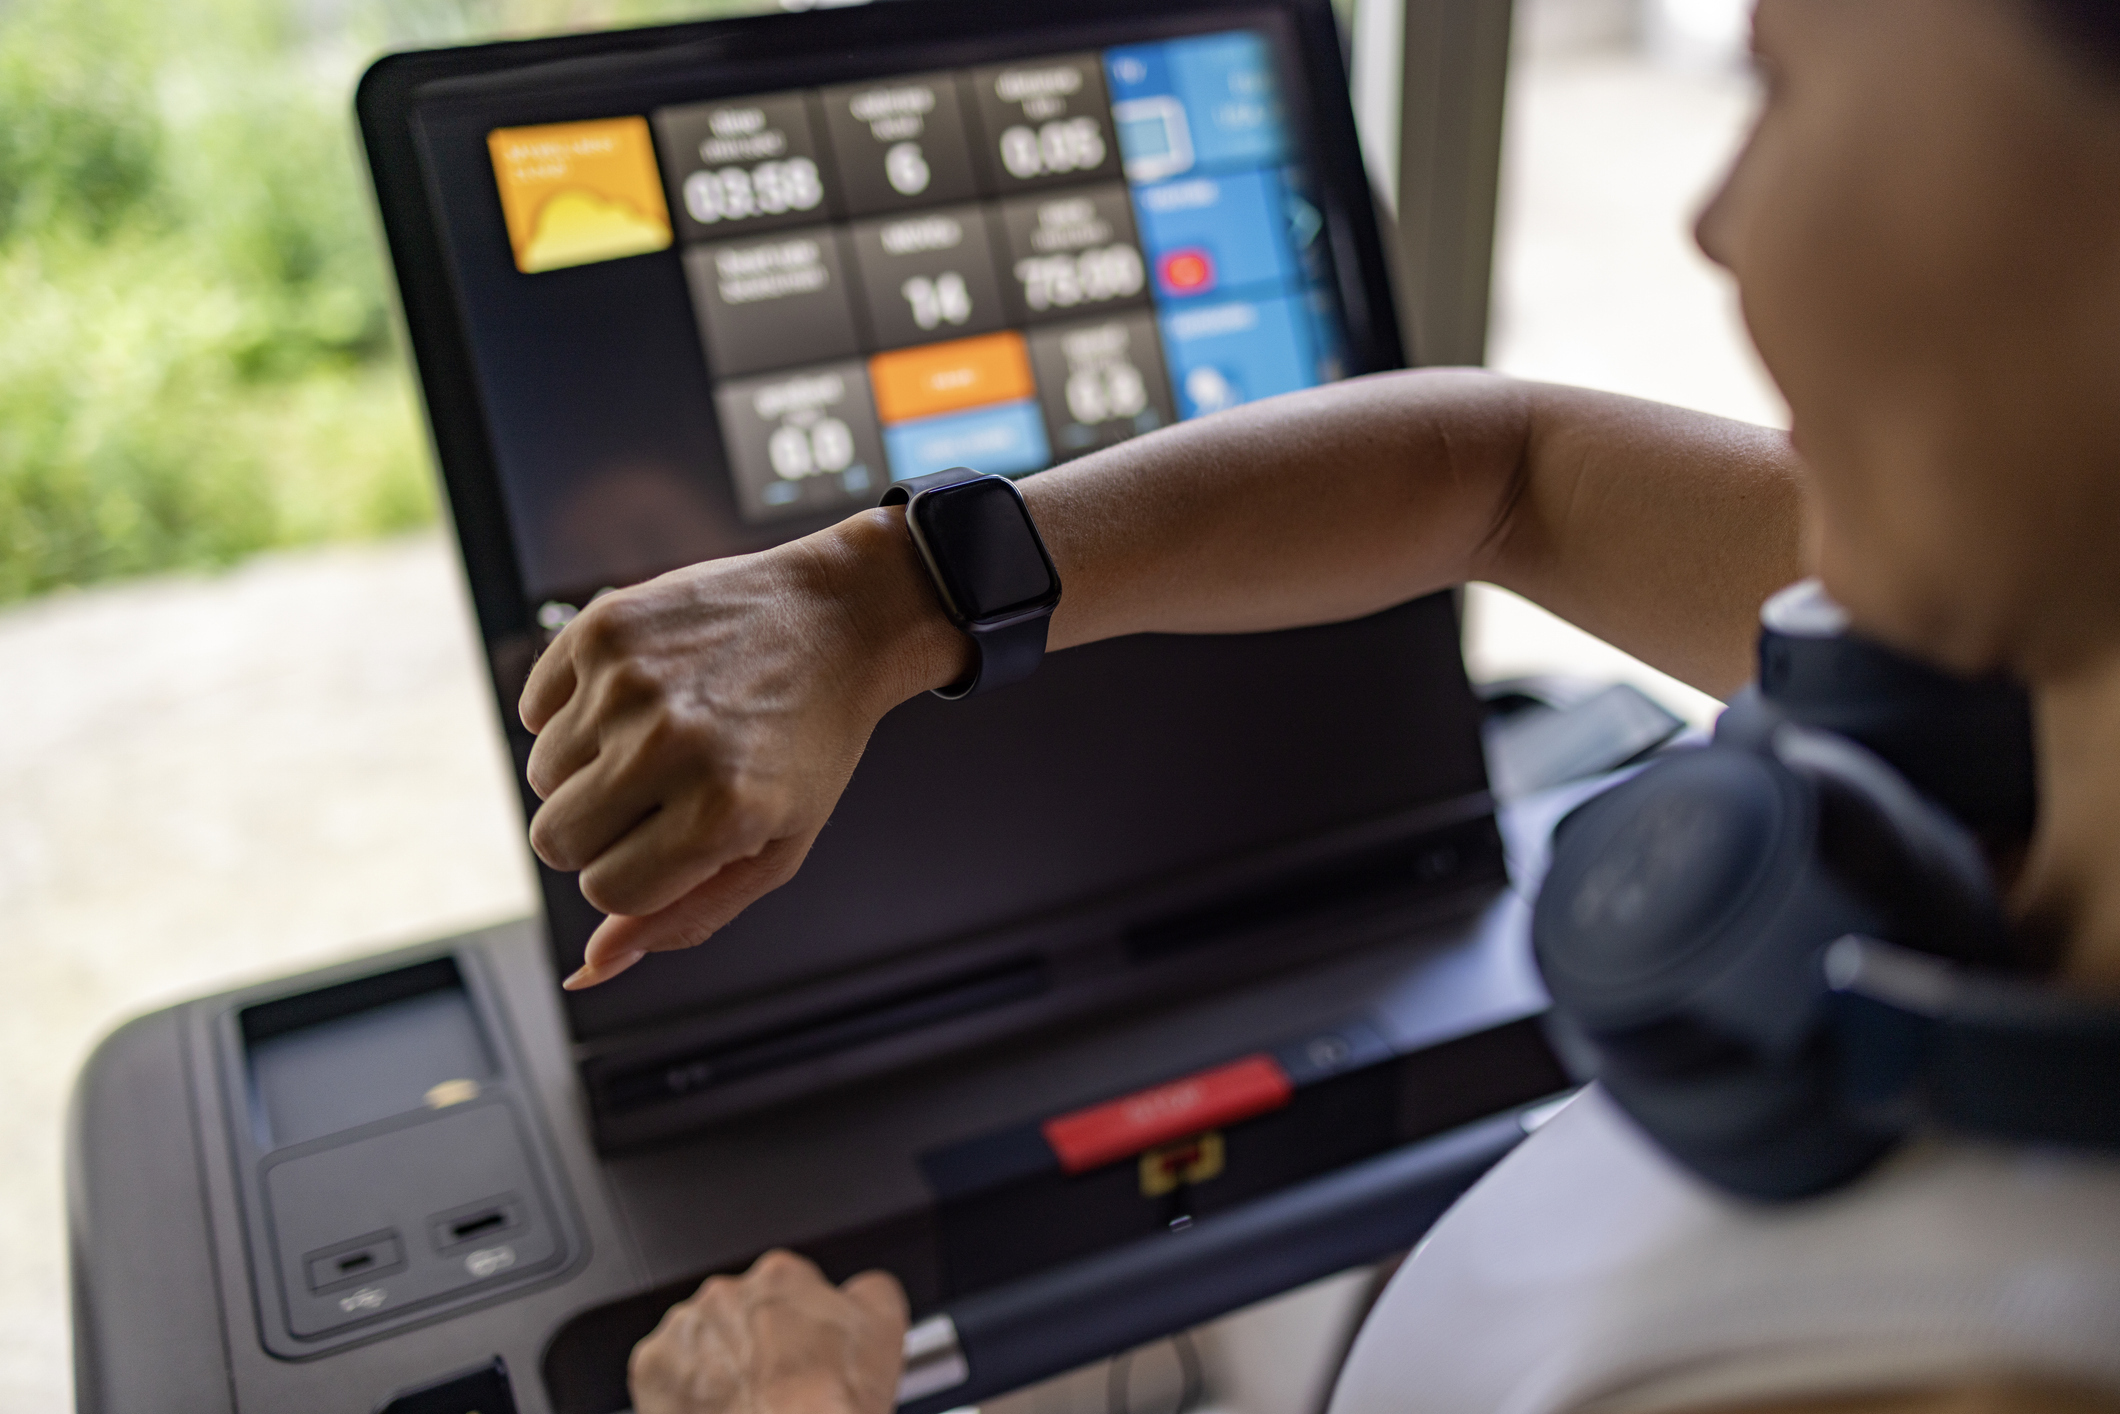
1005 439
1238 351
1239 274
1232 101
1212 102
1138 71
1209 235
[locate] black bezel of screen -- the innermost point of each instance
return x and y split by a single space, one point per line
750 55
930 513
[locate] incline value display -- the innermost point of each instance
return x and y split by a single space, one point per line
1001 266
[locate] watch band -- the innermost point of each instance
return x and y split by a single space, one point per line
1004 650
900 493
1001 654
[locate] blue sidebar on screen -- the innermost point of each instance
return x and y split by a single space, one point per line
1236 265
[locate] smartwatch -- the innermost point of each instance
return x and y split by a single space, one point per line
975 536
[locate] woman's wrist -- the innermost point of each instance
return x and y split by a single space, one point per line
868 565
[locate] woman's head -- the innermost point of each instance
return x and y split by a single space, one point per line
1925 230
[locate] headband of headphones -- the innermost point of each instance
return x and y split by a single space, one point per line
1922 1043
1784 950
1965 744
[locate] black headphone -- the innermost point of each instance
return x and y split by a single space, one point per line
1783 950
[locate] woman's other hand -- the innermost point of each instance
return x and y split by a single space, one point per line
778 1340
694 732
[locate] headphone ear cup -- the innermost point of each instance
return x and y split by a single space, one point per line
1666 896
1770 1130
1679 932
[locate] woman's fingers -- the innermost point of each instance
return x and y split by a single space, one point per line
780 1337
607 955
550 684
880 1294
565 744
672 852
879 1352
620 941
611 700
592 809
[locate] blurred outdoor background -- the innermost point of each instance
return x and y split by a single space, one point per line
243 727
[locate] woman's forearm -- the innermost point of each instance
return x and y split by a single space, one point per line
1657 529
1305 509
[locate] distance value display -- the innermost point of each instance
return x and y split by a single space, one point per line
1001 266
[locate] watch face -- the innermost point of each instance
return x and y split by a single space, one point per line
983 547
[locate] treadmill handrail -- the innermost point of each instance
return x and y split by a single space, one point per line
1028 1330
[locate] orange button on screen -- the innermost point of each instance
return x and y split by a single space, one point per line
939 378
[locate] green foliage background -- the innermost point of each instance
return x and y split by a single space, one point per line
196 359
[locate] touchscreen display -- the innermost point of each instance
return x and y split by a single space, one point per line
1000 266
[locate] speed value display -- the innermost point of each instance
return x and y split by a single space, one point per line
1001 266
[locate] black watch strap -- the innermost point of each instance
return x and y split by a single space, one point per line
1001 654
1003 651
901 493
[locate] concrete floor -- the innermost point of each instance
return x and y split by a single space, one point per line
207 779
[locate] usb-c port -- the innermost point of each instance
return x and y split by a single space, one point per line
355 1261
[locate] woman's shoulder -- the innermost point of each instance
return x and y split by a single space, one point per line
1588 1269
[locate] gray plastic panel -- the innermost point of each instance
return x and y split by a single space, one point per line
169 1308
149 1333
397 1194
351 1233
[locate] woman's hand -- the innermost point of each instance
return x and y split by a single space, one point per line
778 1340
694 732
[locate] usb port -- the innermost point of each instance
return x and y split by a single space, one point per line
348 1263
492 1220
476 1222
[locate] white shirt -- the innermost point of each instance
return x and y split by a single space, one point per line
1588 1271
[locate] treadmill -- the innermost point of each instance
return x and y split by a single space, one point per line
1185 973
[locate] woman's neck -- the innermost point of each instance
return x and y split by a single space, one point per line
2069 890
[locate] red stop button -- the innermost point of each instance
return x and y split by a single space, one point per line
1118 1129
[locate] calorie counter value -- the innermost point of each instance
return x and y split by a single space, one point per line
1001 266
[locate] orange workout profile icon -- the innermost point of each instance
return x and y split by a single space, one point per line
576 193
